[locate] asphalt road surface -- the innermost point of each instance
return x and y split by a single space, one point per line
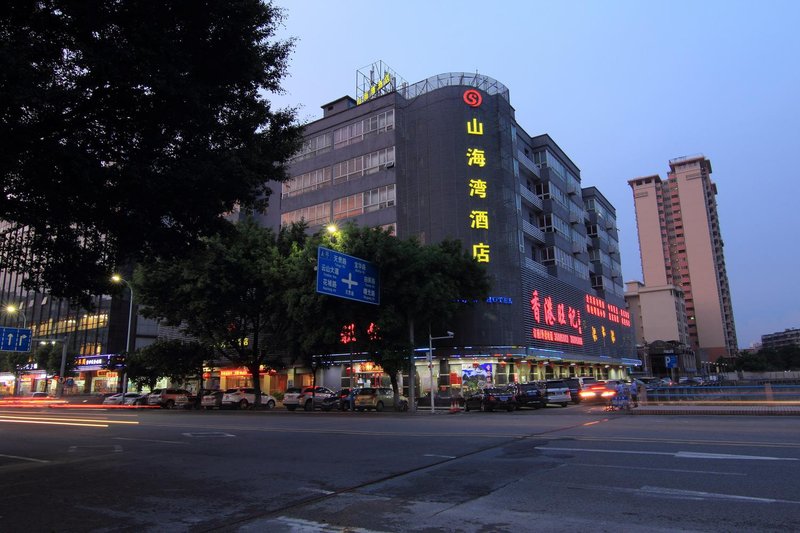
557 469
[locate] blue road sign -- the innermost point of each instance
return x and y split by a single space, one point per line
347 277
15 339
671 361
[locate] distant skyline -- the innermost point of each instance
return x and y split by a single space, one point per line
622 87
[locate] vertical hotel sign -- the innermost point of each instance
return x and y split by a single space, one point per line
476 159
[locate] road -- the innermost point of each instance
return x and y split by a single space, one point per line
557 469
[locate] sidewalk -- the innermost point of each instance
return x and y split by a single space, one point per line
736 409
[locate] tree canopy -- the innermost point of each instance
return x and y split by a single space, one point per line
129 127
174 359
228 294
251 295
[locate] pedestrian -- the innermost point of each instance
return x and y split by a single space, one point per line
634 392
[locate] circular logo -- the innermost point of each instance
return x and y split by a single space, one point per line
472 98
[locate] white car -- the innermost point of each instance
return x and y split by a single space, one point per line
558 392
244 397
116 399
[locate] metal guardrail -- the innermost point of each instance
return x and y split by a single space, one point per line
768 392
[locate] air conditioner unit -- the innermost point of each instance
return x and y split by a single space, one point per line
389 164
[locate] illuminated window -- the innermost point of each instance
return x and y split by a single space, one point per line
314 215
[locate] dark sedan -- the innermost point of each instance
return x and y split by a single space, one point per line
440 400
340 401
490 399
529 394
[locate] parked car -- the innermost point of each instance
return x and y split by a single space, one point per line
489 399
169 398
600 392
440 400
378 398
135 398
576 385
531 394
649 382
211 399
558 392
308 398
244 397
340 401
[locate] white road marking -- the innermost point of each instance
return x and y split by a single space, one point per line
208 434
31 459
73 449
699 455
153 440
678 470
680 455
442 456
699 495
307 526
321 491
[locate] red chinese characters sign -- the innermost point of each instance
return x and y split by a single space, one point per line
558 320
550 313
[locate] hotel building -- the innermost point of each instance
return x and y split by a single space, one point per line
445 158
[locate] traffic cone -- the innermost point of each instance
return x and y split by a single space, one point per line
454 407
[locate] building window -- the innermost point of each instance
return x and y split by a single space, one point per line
362 165
309 181
315 146
314 215
364 202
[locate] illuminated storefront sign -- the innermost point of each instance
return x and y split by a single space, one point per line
476 159
243 372
586 323
91 362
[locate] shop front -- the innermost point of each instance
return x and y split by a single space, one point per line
270 380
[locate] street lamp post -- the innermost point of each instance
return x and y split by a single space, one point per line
63 368
430 360
16 310
116 278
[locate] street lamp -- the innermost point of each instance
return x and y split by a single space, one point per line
430 358
116 278
15 310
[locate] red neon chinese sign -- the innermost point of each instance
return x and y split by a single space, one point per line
550 312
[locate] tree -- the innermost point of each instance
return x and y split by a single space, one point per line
420 284
48 358
129 127
228 294
174 359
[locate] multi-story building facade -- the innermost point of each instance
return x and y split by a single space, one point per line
659 313
445 158
781 339
681 245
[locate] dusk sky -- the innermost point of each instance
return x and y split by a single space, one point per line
622 87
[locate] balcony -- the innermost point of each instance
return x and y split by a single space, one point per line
530 264
527 164
533 232
531 198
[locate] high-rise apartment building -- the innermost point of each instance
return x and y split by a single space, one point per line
445 158
681 245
